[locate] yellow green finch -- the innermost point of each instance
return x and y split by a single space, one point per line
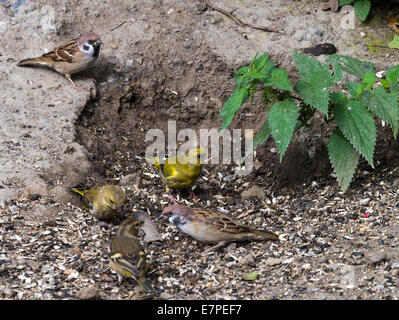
103 201
180 171
127 256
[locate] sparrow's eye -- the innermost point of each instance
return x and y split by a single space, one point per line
90 41
86 47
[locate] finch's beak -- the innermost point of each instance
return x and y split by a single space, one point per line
97 43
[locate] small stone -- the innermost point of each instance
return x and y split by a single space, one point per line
130 180
91 292
395 265
252 192
165 296
272 261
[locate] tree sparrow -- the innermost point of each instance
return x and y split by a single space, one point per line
211 226
74 56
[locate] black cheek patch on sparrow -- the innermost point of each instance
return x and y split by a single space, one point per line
176 220
86 47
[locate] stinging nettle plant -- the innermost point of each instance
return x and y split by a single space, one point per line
290 108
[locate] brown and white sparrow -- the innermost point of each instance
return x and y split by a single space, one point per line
127 256
211 226
71 57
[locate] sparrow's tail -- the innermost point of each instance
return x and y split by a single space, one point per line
29 62
264 235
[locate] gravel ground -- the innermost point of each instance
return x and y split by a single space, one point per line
331 245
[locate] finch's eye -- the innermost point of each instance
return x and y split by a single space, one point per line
90 41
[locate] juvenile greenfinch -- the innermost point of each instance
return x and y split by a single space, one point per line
127 256
180 171
103 201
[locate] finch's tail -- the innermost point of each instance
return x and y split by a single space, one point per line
81 192
145 285
30 62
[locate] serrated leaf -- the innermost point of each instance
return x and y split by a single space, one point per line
313 95
267 68
261 136
344 2
392 74
352 66
337 76
357 125
268 95
240 74
281 119
231 106
384 105
343 157
362 8
306 65
251 276
368 80
261 61
279 78
254 74
394 87
352 88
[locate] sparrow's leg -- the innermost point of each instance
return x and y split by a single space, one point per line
68 76
172 198
194 196
219 245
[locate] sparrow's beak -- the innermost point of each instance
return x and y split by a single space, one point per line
97 43
162 217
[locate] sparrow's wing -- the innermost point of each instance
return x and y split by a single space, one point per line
221 222
64 53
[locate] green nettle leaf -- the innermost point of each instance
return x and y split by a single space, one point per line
353 88
261 137
337 76
352 66
343 157
231 106
357 125
392 74
282 118
254 74
268 96
267 68
313 94
279 78
394 87
240 75
367 82
307 66
261 61
362 8
344 2
383 104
